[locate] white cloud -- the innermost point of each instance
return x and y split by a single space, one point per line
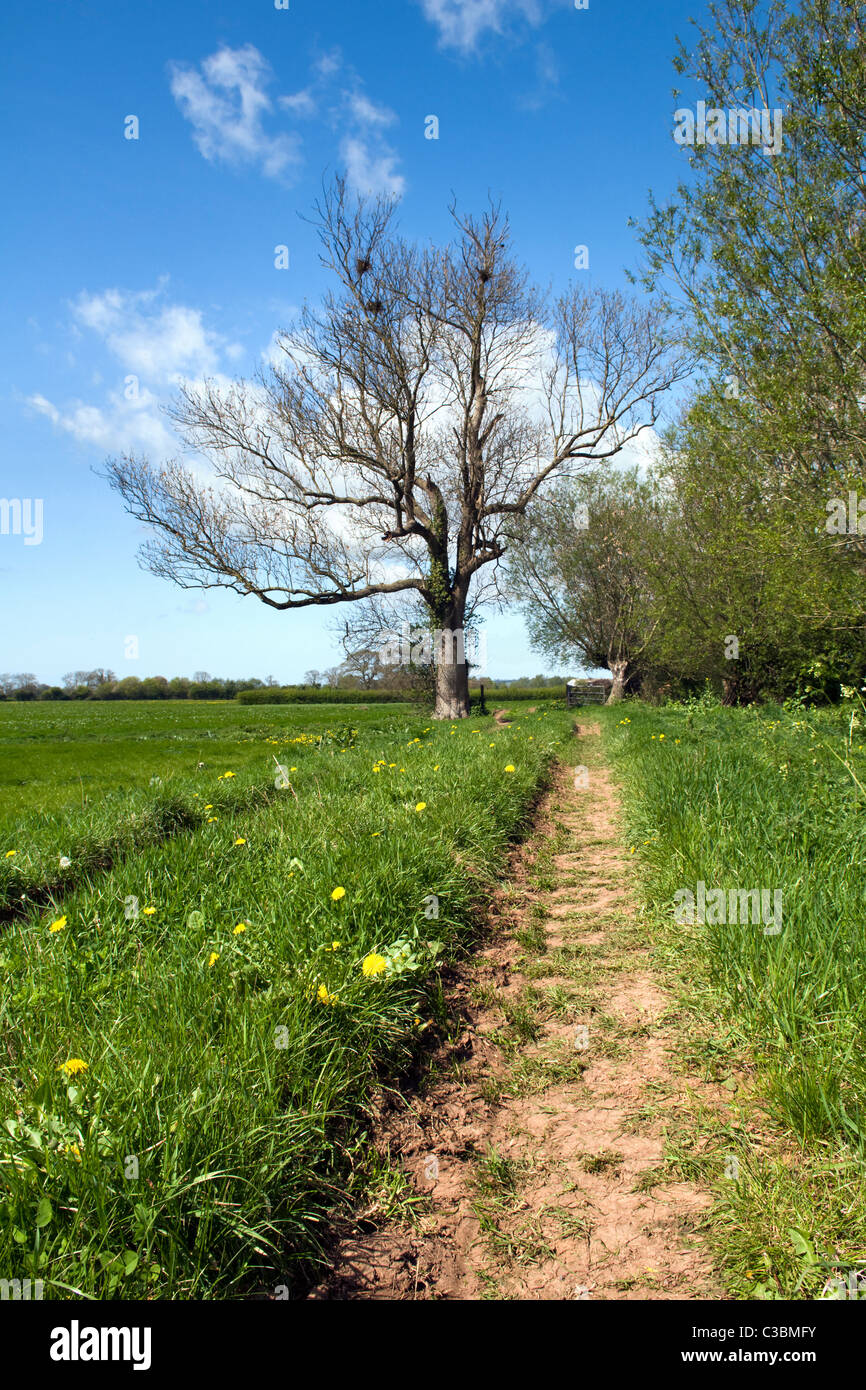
158 345
225 103
370 169
367 112
162 342
461 23
121 426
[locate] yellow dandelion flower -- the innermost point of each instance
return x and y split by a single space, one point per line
211 819
58 925
241 926
72 1066
509 767
421 806
435 767
208 808
374 964
10 853
149 911
324 997
240 840
337 894
213 958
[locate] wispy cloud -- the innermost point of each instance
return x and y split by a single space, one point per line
163 342
226 103
158 344
119 425
462 24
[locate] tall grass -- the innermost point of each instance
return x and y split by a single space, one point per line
233 1008
774 799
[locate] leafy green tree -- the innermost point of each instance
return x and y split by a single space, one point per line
582 571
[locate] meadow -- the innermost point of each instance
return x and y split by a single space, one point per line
772 798
222 929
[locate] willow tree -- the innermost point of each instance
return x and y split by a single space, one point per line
583 573
408 419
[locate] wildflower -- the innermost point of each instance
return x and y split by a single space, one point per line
213 958
10 853
149 911
374 964
241 926
208 808
375 833
324 997
422 805
227 774
337 894
64 861
661 736
211 819
72 1066
240 841
334 946
58 925
509 767
436 767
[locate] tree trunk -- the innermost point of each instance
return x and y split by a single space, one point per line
452 690
619 671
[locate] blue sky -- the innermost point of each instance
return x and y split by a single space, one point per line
133 262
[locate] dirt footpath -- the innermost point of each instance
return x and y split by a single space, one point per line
538 1135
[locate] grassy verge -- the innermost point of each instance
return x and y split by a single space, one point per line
768 800
189 1039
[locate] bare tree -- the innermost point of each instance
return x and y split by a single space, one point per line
411 417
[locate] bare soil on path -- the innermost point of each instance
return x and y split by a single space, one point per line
538 1138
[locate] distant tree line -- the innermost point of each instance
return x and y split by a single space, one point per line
104 685
349 676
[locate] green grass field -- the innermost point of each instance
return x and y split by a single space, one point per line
766 798
204 976
207 966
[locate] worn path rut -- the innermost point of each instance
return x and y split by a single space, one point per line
538 1138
